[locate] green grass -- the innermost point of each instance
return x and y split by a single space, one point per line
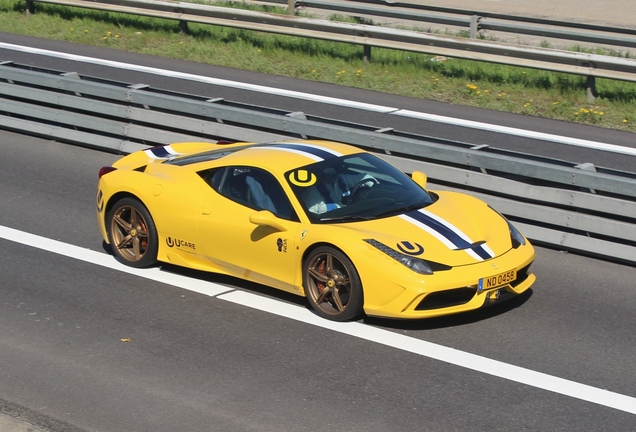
492 86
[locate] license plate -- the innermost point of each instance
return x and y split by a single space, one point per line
497 280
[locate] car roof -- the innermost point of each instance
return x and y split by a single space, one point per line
276 156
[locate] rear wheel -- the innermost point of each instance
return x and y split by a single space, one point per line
132 233
332 285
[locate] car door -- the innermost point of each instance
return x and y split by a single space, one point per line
261 249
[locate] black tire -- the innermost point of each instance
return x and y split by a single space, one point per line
132 233
332 285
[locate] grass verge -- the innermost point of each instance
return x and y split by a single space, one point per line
491 86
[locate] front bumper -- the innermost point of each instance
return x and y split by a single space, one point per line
458 290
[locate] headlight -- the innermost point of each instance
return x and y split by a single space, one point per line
516 237
416 264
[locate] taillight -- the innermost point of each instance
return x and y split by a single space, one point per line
106 170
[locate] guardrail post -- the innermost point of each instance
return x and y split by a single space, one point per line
30 6
474 26
183 26
591 89
366 57
291 7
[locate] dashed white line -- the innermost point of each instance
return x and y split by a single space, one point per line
354 329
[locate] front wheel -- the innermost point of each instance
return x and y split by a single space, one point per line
132 233
332 285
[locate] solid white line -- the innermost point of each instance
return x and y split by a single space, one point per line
518 132
372 334
332 101
199 78
104 260
439 352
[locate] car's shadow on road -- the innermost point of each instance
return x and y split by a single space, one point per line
454 320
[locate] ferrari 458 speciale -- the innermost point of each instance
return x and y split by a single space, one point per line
324 220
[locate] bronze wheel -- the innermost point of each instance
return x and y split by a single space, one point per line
132 233
332 285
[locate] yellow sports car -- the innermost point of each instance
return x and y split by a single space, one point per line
318 219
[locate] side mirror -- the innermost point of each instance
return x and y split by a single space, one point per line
420 178
266 218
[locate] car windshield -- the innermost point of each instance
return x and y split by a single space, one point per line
355 187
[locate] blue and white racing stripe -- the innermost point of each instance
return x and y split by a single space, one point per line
161 152
313 152
448 234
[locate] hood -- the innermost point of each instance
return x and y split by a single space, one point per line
455 230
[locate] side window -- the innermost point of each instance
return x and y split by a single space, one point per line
252 187
213 177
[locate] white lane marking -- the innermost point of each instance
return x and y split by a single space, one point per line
518 132
372 334
198 78
104 260
332 101
440 352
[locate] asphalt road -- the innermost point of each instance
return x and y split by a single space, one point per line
89 348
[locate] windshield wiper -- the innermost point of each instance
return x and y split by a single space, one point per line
402 209
347 218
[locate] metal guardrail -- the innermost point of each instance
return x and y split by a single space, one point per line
474 20
578 63
554 202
